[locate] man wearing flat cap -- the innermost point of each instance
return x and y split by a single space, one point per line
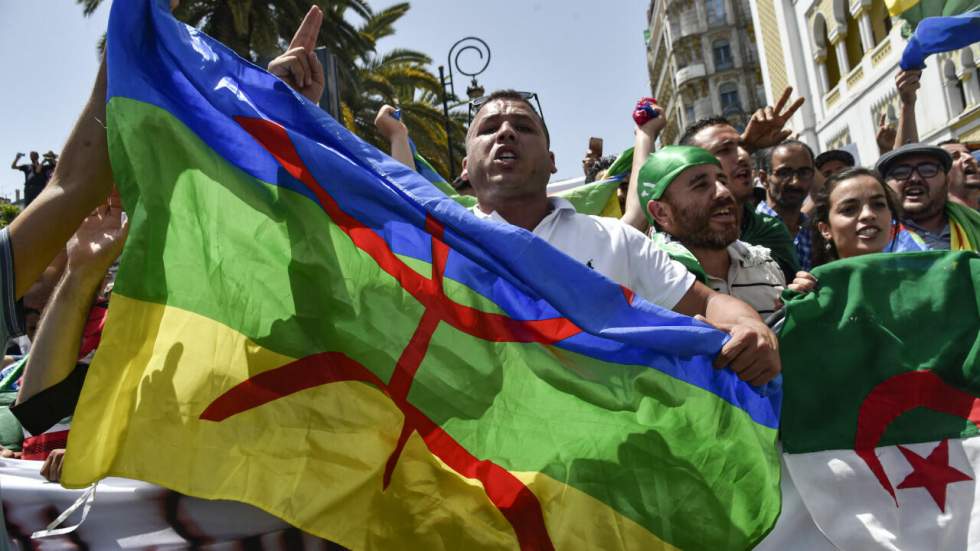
833 161
917 173
684 193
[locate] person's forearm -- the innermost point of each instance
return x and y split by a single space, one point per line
82 179
54 351
724 310
642 148
908 131
401 151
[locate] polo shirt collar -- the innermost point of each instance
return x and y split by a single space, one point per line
558 206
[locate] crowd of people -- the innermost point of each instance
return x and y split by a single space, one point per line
715 226
36 173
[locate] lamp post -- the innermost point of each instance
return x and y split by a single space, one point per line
473 91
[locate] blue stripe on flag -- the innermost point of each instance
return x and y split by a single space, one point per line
940 34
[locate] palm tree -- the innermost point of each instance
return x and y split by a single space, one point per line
400 77
257 30
261 30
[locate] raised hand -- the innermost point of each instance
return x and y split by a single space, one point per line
765 128
99 240
390 127
298 66
886 135
649 117
907 83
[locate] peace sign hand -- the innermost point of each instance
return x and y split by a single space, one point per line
765 129
298 66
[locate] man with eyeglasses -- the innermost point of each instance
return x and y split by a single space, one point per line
918 174
787 173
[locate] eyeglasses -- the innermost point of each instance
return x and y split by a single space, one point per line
904 172
477 103
785 173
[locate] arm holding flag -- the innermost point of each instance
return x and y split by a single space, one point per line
907 83
395 131
753 349
91 251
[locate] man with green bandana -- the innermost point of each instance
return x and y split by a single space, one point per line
685 195
732 148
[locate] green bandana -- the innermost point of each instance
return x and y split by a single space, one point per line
662 167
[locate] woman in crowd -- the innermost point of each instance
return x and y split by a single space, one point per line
855 214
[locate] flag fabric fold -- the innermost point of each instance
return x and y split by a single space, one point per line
893 341
303 324
934 35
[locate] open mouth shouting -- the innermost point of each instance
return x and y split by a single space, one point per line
915 193
505 156
971 175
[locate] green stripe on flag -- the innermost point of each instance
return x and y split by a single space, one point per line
936 8
874 317
653 431
641 442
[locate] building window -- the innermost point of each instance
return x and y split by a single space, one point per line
689 115
716 11
723 55
881 22
729 99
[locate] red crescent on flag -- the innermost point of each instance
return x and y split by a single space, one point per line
898 395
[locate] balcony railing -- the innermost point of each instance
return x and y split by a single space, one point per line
881 51
690 73
854 77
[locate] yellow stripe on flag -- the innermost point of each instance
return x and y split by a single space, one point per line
315 458
898 7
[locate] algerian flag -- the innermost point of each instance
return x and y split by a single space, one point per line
882 378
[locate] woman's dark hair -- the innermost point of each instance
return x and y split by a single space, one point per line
825 251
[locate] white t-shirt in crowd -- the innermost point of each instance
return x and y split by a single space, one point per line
753 276
614 249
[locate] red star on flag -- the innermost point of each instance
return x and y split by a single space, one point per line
932 473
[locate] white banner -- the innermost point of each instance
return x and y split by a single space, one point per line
126 514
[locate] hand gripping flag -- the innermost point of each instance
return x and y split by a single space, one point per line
305 325
882 400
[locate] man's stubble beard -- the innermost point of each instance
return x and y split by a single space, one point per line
695 229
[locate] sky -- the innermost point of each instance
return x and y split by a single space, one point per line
585 60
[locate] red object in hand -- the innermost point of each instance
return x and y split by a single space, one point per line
645 110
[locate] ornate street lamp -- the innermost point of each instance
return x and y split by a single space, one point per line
473 91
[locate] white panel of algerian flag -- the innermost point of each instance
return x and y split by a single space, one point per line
933 508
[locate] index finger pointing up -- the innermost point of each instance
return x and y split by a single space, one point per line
308 30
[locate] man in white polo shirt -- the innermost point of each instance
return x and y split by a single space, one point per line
508 163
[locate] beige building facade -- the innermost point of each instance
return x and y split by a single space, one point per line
702 61
842 56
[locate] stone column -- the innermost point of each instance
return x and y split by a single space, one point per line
971 89
713 94
820 58
836 38
862 14
738 53
702 16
